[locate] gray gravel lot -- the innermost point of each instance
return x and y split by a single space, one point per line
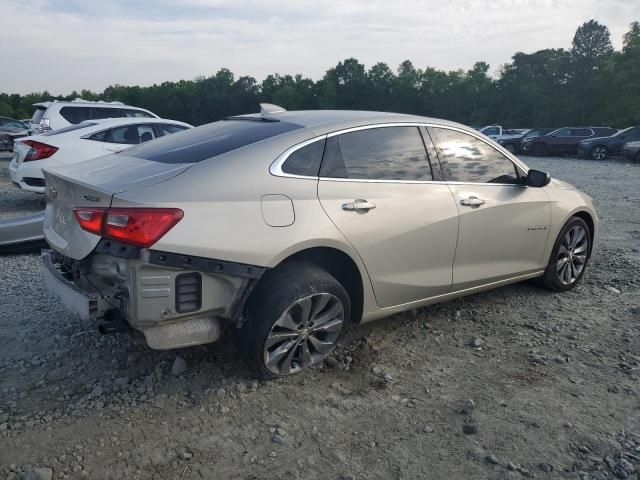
514 383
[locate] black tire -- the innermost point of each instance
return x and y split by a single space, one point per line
284 289
553 273
637 157
539 150
599 152
509 147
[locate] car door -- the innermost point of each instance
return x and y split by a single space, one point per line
376 185
504 225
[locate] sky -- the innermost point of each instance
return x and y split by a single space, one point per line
62 45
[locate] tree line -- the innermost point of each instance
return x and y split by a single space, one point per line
588 84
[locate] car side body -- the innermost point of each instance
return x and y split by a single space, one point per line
11 130
601 147
631 151
514 144
399 228
77 143
563 140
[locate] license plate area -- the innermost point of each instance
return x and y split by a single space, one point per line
84 304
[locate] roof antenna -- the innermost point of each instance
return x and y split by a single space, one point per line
270 108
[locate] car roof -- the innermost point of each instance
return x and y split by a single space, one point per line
328 119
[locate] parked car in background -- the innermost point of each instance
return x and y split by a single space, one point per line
54 115
514 143
338 217
564 140
81 142
491 131
11 129
601 147
631 151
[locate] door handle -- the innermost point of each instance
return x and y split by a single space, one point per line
472 201
359 205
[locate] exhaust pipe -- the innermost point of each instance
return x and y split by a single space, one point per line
113 323
108 328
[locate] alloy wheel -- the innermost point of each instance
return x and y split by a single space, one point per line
572 255
304 334
599 153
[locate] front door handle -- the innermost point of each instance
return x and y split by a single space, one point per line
472 201
359 205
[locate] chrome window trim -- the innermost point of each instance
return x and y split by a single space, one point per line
275 168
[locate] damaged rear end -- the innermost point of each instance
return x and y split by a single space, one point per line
102 264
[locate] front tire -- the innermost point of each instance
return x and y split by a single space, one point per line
296 316
569 257
599 152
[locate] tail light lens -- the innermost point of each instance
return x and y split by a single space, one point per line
39 150
141 227
90 219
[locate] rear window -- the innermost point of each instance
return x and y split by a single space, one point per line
70 129
198 144
37 115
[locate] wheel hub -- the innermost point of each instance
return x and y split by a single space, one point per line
304 334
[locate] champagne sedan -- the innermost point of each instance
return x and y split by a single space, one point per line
284 227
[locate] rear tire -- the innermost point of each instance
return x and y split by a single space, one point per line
569 257
539 150
637 157
296 316
599 152
509 147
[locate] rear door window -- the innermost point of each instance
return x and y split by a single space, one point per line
581 132
75 114
208 141
386 153
131 134
98 113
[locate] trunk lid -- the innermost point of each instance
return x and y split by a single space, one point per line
93 184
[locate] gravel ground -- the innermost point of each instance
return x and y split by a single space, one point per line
514 383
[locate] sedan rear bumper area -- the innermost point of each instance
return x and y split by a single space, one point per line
172 306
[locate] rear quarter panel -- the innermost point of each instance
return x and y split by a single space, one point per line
223 216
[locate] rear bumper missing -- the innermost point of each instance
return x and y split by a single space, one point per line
175 301
85 304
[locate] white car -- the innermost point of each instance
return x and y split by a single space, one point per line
81 142
54 115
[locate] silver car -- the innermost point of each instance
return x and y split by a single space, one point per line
283 227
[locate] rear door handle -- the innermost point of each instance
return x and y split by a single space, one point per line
359 205
472 201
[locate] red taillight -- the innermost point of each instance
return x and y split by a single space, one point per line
136 226
38 150
90 219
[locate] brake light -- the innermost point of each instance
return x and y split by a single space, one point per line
38 151
90 219
135 226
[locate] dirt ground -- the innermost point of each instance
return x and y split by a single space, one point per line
515 383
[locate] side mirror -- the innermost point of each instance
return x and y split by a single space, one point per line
536 178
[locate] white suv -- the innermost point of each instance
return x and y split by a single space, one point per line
54 115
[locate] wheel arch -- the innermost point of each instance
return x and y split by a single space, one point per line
589 220
340 265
